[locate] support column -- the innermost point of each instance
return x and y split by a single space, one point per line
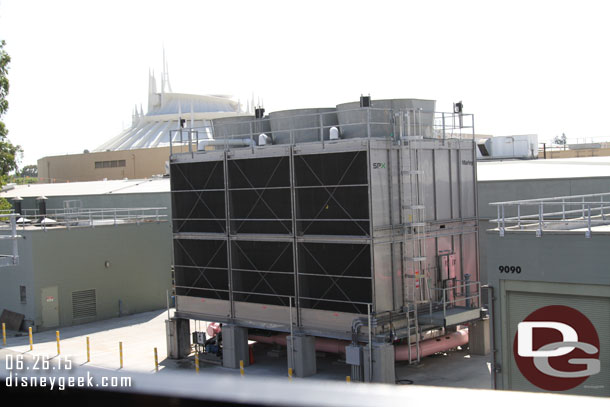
234 346
478 337
178 335
304 355
383 363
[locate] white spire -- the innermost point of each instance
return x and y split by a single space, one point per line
153 99
165 75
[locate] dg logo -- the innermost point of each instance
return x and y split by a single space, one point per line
556 348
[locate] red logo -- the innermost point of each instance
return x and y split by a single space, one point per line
556 348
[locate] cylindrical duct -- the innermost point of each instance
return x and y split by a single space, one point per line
304 124
355 121
240 127
427 347
42 206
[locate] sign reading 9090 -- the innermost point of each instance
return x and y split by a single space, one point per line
510 269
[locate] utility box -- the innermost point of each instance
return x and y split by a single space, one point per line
199 338
353 355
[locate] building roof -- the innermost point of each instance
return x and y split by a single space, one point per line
508 170
487 171
130 186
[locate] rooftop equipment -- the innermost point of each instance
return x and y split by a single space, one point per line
376 229
17 208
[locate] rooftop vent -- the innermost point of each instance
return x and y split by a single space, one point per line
365 101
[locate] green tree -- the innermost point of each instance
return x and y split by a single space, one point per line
29 171
9 153
5 59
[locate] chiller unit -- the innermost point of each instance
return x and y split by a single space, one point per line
321 218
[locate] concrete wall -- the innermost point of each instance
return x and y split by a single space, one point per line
139 163
587 152
14 276
139 273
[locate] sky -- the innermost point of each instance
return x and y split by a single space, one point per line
521 67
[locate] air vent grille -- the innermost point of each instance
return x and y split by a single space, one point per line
84 304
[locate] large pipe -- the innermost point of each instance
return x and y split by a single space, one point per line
432 346
322 344
213 329
427 347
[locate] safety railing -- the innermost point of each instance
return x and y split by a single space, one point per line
463 293
366 122
556 213
88 217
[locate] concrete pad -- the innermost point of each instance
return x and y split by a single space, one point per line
141 333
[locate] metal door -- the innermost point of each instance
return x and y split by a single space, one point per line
521 304
50 307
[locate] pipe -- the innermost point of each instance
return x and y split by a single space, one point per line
322 344
427 347
492 334
432 346
213 329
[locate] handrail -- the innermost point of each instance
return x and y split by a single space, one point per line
590 212
86 217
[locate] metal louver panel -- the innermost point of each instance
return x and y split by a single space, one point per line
521 304
84 304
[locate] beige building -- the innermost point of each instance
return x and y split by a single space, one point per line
137 163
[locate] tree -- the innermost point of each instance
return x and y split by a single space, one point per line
9 153
29 171
560 140
5 59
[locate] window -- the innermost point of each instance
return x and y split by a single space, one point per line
22 294
110 164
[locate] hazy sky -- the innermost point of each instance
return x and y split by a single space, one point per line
521 67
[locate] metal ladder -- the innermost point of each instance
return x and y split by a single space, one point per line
413 211
414 228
